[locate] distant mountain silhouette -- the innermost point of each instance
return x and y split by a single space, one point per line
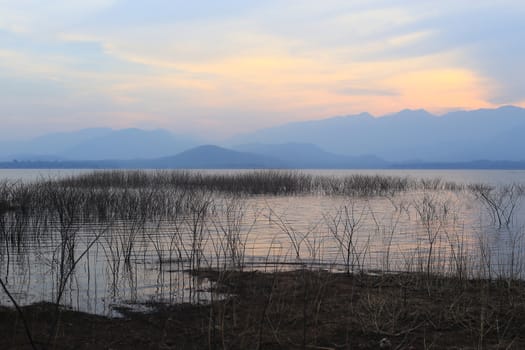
214 157
130 144
309 156
98 144
269 156
202 157
48 145
410 135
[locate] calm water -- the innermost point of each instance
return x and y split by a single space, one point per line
28 175
136 262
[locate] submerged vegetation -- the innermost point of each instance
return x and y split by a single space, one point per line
408 269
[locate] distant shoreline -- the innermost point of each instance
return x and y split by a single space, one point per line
130 164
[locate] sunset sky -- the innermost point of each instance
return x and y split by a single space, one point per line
215 68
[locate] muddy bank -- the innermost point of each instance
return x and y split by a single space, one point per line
296 310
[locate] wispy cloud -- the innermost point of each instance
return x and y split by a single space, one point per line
239 65
355 91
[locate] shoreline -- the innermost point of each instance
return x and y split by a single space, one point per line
299 309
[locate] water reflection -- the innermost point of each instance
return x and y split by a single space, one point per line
98 260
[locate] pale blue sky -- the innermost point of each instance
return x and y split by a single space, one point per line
220 67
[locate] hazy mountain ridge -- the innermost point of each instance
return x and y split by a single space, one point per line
48 145
487 138
310 156
130 144
215 157
201 157
98 144
410 135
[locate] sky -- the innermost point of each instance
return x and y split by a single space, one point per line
217 68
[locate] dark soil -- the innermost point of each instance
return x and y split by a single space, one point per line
299 310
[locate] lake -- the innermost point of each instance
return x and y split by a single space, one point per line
141 249
496 177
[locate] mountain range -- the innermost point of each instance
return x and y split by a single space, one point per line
410 135
215 157
98 144
485 138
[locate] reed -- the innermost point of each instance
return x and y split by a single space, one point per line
198 223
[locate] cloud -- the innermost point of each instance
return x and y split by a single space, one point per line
486 38
354 91
40 18
196 64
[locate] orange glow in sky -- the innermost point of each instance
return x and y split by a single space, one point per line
242 66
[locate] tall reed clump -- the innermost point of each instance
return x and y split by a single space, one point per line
501 202
257 182
344 226
433 215
502 239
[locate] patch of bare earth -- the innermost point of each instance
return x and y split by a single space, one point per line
299 310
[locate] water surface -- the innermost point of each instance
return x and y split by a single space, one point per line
132 261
